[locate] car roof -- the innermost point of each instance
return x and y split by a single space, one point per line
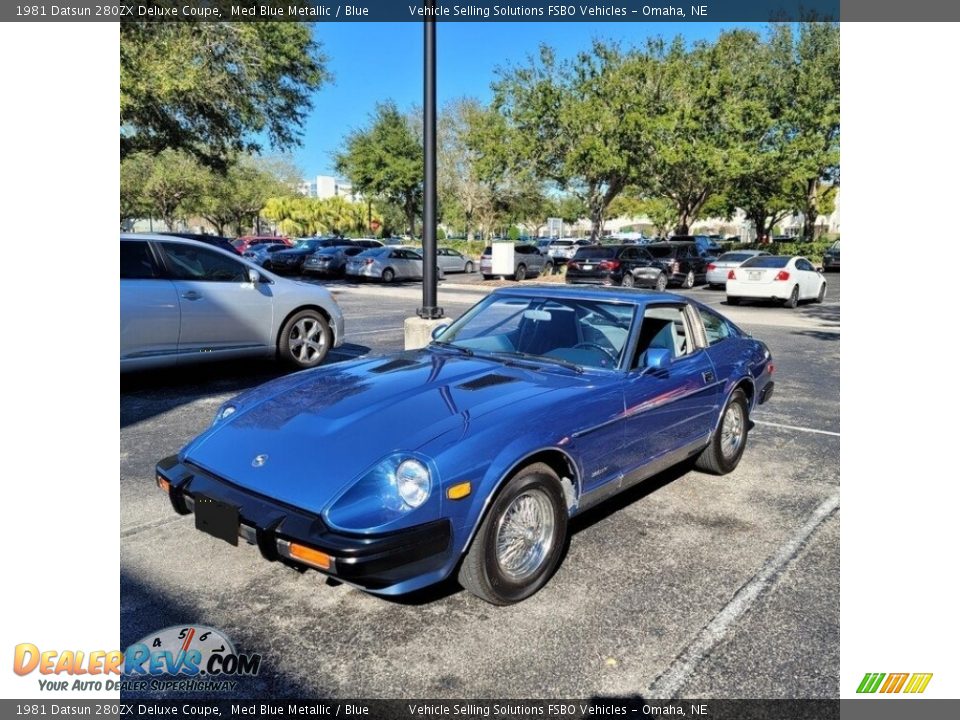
634 296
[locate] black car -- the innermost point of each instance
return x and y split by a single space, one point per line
626 265
831 258
680 260
215 240
707 245
290 262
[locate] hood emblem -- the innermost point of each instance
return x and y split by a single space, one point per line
260 460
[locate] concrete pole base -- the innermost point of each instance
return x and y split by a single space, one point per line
417 331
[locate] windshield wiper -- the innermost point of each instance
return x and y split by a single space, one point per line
450 346
542 358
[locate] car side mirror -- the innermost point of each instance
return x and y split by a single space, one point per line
658 358
438 331
253 276
819 269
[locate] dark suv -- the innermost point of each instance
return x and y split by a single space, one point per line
680 260
626 265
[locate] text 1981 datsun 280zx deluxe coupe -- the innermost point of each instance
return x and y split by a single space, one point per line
471 455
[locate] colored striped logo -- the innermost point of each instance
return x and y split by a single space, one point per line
894 682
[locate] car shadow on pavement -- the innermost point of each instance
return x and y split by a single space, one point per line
818 335
146 609
146 393
827 314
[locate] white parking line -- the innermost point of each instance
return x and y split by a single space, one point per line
797 428
672 681
374 332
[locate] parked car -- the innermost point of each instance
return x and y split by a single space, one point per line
242 244
290 261
183 301
330 261
472 455
707 245
454 261
543 244
776 277
215 240
717 270
262 252
387 264
681 262
527 262
831 258
627 265
561 250
367 242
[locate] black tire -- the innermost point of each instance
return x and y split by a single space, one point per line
488 277
309 324
628 280
548 269
719 457
731 300
481 572
690 280
267 265
468 268
521 273
661 282
714 286
821 294
388 275
794 298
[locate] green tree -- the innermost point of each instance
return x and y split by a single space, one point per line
215 89
134 173
171 185
576 123
236 197
385 161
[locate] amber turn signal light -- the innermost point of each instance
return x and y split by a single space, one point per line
163 483
459 491
310 556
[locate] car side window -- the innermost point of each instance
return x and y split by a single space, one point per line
188 262
629 254
663 327
805 265
714 326
136 261
351 251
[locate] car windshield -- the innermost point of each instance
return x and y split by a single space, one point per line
770 261
372 252
573 333
735 257
836 246
311 244
595 253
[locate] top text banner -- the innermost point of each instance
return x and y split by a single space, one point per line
606 11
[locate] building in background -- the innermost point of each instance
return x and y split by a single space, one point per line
327 186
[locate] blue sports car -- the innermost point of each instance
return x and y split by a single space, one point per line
471 455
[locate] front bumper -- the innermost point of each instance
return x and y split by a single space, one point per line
370 561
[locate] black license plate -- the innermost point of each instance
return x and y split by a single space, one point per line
217 518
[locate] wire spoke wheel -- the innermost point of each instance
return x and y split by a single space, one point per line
525 534
731 433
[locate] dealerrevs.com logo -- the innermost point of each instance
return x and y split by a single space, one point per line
178 658
910 683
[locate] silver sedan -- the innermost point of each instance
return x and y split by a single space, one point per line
717 270
387 264
184 301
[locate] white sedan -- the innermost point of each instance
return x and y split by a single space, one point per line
184 301
776 277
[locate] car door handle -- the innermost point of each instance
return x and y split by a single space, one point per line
191 295
708 376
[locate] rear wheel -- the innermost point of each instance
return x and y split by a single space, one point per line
794 298
521 273
822 293
388 275
548 269
627 280
726 446
488 277
468 268
519 543
661 282
305 339
689 280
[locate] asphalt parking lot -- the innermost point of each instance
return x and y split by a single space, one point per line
689 585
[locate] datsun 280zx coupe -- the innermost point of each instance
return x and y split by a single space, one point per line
470 456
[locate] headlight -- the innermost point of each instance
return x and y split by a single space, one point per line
224 412
413 482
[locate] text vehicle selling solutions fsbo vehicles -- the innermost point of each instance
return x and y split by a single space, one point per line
471 455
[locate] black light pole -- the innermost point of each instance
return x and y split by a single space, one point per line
430 311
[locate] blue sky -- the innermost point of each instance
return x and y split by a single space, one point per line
374 62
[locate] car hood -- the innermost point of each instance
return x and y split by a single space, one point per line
320 430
